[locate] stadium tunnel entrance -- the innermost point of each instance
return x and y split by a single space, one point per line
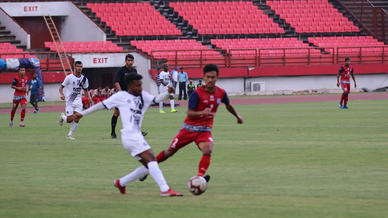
100 77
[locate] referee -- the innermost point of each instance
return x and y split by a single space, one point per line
120 86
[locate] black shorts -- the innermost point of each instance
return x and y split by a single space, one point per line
34 98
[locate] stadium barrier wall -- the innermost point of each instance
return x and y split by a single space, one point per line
16 30
103 60
239 86
76 27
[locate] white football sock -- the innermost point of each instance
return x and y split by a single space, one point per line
157 175
161 105
172 104
73 127
138 173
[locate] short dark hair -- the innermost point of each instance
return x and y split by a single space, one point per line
210 67
347 59
132 77
77 62
22 66
129 56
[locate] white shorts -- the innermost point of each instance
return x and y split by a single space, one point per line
134 143
71 108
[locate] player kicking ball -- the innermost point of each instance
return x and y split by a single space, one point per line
132 105
73 85
345 72
202 108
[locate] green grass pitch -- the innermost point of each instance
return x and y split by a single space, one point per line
286 160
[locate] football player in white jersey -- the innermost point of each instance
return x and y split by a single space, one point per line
132 105
73 85
165 80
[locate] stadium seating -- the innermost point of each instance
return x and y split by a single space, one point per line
182 52
133 19
371 45
168 48
268 46
80 47
226 17
308 16
7 50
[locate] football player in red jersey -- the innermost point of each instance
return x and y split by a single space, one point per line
20 84
202 108
345 72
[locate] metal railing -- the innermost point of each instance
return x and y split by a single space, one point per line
49 61
267 57
371 18
264 57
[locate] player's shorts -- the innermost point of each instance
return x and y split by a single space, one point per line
185 137
134 143
345 87
34 98
71 108
19 100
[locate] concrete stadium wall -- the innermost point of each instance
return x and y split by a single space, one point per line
76 26
14 27
235 86
102 60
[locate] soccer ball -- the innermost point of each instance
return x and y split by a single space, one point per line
197 185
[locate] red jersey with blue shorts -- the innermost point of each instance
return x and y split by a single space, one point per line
20 96
198 129
345 72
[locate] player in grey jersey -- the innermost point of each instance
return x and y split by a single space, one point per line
73 85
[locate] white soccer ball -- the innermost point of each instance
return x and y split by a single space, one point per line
197 185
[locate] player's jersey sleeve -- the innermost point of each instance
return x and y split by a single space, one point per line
341 69
86 84
193 100
147 98
225 99
114 100
66 81
14 82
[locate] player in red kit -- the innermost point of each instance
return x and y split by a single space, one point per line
19 83
345 72
202 108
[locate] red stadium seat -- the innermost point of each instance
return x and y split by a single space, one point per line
318 14
94 46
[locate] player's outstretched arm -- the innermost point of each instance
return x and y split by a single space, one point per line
231 110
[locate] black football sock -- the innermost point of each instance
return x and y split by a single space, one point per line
113 123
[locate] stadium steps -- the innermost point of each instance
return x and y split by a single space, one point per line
183 25
187 30
380 4
288 29
342 10
110 34
354 7
261 4
6 36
